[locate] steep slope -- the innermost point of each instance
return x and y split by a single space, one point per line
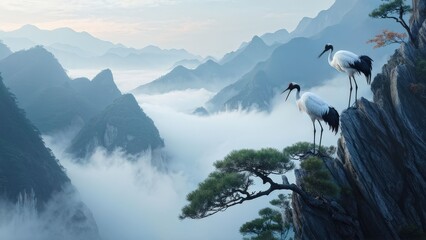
51 100
290 60
382 151
25 163
4 51
31 176
308 27
100 91
27 73
123 125
211 75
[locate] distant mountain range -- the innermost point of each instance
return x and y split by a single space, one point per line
211 75
297 59
53 102
252 75
82 50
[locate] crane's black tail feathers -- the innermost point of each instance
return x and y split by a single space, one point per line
331 117
364 65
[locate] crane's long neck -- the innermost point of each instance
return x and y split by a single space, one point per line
330 57
297 93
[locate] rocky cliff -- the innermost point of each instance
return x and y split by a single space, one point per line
381 164
33 185
123 125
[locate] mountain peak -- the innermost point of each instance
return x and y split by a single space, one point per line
104 82
151 48
29 27
104 76
256 41
207 66
43 62
279 36
211 62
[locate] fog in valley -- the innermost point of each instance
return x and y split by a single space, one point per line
126 80
131 199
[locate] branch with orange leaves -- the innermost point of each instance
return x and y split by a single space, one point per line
386 38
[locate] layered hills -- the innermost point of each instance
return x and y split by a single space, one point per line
54 103
82 50
211 75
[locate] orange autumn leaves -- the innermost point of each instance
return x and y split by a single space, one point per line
387 37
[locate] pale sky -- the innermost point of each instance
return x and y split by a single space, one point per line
205 27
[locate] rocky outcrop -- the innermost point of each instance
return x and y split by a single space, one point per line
123 125
381 165
336 218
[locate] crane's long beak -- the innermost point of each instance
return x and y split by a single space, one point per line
325 50
288 93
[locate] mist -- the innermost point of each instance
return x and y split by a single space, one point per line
126 80
64 217
131 199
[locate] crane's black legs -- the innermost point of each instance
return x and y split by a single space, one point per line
322 129
313 123
356 91
350 91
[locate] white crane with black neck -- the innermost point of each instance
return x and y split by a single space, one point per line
317 109
350 63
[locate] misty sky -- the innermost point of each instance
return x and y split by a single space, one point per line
206 27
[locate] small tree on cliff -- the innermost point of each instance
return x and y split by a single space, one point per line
392 9
272 224
230 184
267 227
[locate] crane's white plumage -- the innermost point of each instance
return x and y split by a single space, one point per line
317 109
343 60
314 106
349 63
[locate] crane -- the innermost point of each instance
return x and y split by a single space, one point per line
350 63
317 109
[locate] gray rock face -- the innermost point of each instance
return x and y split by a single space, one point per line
335 219
381 161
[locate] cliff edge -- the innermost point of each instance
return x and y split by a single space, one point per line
381 164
